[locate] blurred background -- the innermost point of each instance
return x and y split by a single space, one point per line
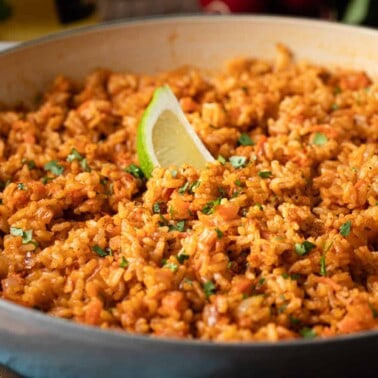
22 20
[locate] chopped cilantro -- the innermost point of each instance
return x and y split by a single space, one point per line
259 206
46 179
245 140
54 167
221 159
291 276
84 165
237 182
260 282
15 231
238 161
345 228
307 333
229 265
219 233
265 174
323 268
184 188
335 106
27 235
320 139
156 207
30 163
74 155
282 308
303 248
171 266
337 90
374 311
294 320
188 281
124 263
135 171
21 186
194 185
210 206
174 173
101 252
179 226
182 256
209 288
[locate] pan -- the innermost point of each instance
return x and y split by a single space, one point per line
37 345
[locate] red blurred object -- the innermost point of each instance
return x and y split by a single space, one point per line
234 6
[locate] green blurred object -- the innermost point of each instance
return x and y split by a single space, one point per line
5 10
356 12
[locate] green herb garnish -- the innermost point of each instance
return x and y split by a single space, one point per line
135 171
156 208
259 206
184 188
182 257
307 333
320 139
27 235
219 233
30 163
345 228
209 288
210 206
221 159
74 155
54 167
238 161
21 186
323 268
265 174
303 248
101 252
124 263
245 140
171 266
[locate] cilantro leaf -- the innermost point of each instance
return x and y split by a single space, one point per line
265 174
221 159
54 167
27 235
323 268
345 228
210 206
219 233
320 139
303 248
238 161
245 140
171 266
156 208
182 257
135 171
74 155
307 333
124 263
101 252
209 288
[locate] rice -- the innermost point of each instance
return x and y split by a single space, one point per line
278 239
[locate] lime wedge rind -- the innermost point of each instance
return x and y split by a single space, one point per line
165 136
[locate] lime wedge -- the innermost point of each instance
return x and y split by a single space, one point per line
165 137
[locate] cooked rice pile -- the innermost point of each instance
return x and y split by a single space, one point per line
276 240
